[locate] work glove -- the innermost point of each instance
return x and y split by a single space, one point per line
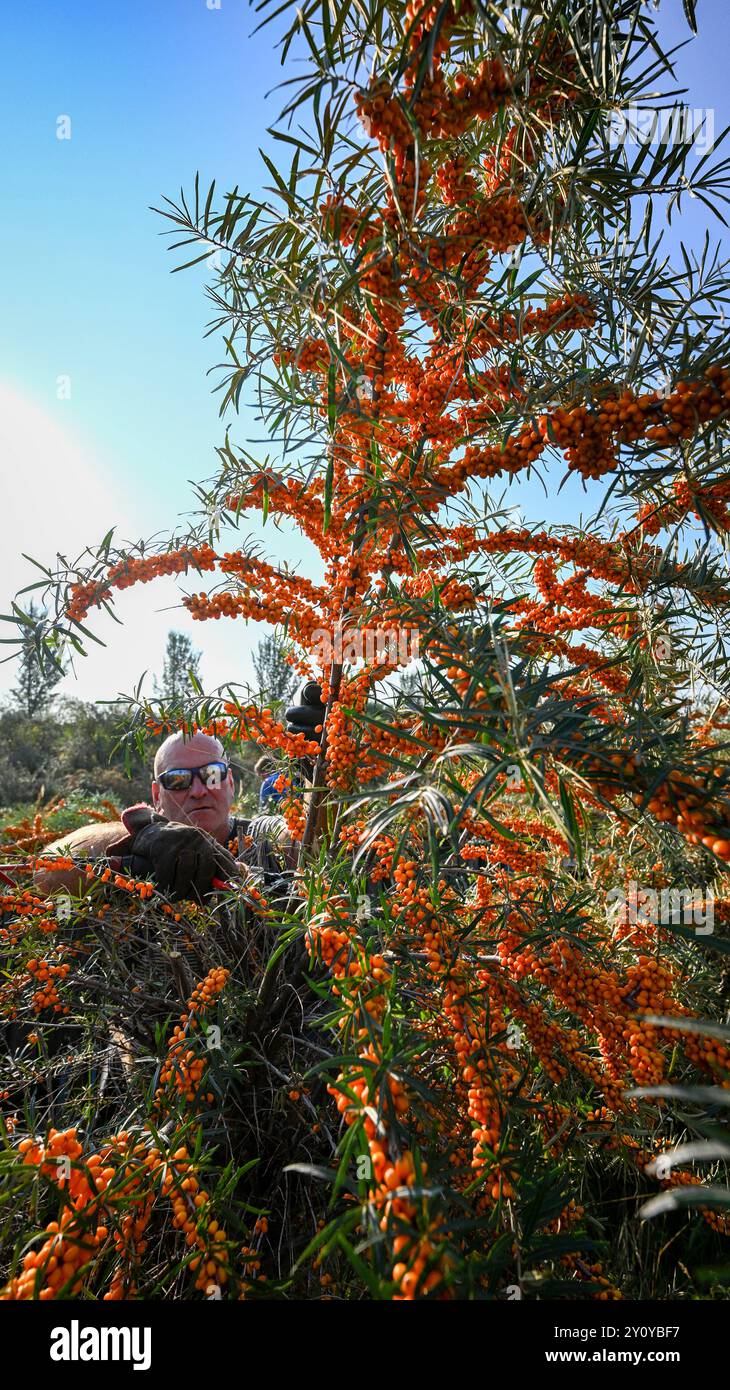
181 860
303 718
307 713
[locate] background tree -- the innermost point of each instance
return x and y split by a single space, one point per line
277 681
37 676
181 659
74 750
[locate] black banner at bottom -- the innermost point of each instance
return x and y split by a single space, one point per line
159 1339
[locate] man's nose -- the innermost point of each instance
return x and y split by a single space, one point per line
198 787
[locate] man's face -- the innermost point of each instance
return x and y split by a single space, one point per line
207 807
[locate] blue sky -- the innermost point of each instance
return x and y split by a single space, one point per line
154 92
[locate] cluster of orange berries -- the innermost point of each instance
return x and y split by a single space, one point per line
249 723
48 976
182 1066
20 906
349 226
191 1208
605 559
587 437
217 728
420 1268
331 938
139 1165
342 748
593 1273
266 576
142 887
482 1107
135 571
467 1024
58 1264
686 806
421 18
62 863
75 1240
630 417
72 1241
567 313
394 1180
438 110
382 115
455 181
708 499
328 938
292 809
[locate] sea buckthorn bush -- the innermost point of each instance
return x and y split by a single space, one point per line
466 1052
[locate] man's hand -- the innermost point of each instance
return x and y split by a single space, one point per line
308 713
306 717
181 860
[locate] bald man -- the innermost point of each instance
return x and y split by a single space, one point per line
181 841
206 803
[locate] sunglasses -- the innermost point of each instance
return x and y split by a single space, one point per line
180 779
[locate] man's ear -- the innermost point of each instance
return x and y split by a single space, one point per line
156 795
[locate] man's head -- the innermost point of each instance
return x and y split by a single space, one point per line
206 805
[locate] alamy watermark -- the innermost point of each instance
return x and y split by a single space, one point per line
663 907
91 1343
679 125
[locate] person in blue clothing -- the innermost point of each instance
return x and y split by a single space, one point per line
269 773
306 716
